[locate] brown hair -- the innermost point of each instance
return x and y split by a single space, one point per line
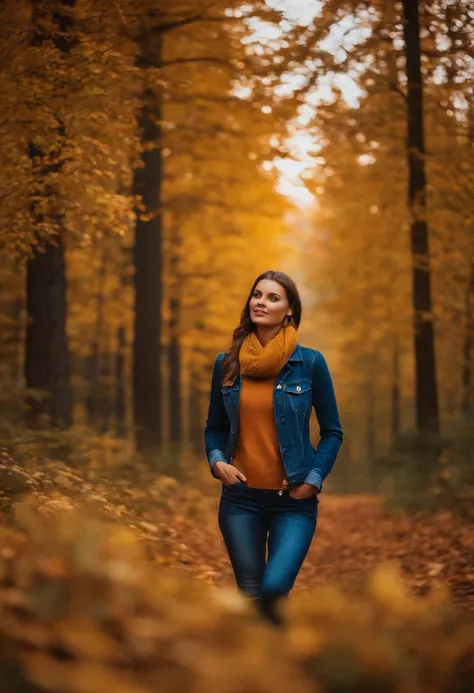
230 362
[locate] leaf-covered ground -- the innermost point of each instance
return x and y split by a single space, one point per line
87 605
178 523
354 535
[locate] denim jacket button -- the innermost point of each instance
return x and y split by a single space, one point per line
279 386
298 388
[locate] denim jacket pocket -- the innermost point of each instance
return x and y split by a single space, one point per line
298 388
299 396
229 397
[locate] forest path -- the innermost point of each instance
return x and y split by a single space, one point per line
355 533
177 520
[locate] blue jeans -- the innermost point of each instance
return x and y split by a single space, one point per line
248 518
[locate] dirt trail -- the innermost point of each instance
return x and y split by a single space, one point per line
178 523
354 534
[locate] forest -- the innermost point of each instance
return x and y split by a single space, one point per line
156 157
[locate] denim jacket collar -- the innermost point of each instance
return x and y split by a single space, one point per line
296 355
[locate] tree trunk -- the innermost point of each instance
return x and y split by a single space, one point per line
175 407
147 351
371 420
94 358
395 392
466 403
92 376
175 366
196 424
47 356
466 398
427 412
20 340
120 401
106 391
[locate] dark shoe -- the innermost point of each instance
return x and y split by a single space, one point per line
268 608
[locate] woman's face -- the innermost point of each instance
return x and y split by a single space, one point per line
269 304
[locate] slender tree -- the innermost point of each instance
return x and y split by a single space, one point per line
395 392
466 398
47 356
148 255
174 355
427 412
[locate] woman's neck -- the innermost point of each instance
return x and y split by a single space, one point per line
264 334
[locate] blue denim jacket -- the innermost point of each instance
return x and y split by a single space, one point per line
304 382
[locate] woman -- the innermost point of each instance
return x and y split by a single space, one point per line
258 445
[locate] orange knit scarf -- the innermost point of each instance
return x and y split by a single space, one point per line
257 361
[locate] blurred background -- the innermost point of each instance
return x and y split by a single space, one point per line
156 157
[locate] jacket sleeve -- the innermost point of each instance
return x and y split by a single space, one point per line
330 431
217 428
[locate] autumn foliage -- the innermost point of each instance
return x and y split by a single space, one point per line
144 148
105 581
82 608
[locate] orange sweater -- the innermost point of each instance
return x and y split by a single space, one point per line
257 452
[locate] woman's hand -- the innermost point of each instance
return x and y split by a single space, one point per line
227 473
303 491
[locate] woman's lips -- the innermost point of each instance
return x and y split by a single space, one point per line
260 312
